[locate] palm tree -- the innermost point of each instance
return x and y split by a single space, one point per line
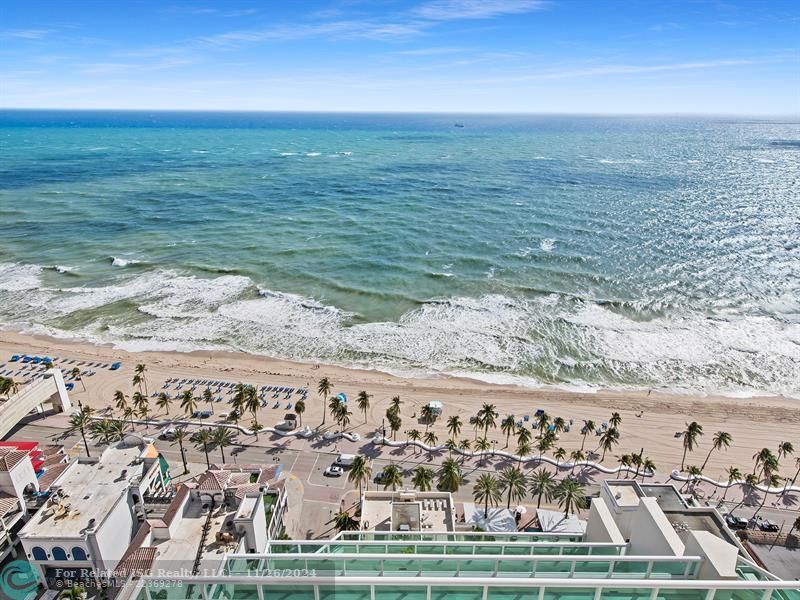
542 421
391 477
464 445
335 406
560 454
545 443
450 476
508 426
763 457
76 374
188 403
141 371
394 405
427 415
559 425
785 449
202 439
137 382
414 436
523 450
487 415
163 401
139 400
450 445
208 398
772 480
299 409
588 427
362 400
343 416
344 521
693 431
255 427
576 456
8 386
81 421
454 426
102 431
360 472
524 436
487 490
144 413
422 479
324 388
514 483
570 495
120 401
430 440
128 413
608 439
733 475
615 421
238 401
482 445
542 483
721 440
636 461
648 467
395 423
750 481
625 463
252 402
222 438
179 437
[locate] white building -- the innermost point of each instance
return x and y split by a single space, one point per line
95 508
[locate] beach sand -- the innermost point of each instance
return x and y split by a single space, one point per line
754 422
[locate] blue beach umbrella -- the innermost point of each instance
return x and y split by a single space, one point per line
341 397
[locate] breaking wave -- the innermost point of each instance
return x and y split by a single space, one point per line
544 339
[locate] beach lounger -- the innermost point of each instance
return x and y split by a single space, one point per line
289 406
276 405
14 358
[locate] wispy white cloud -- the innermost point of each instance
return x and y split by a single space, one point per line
446 10
215 12
620 69
430 51
25 34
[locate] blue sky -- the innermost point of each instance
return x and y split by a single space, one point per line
597 56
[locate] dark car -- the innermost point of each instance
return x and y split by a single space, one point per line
766 525
735 522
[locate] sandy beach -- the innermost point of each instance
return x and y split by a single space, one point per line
649 419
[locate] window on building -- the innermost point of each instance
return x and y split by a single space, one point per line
78 553
59 553
38 553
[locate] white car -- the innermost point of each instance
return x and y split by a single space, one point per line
334 471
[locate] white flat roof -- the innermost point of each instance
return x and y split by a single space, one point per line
91 490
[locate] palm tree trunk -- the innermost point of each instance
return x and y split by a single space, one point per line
85 444
763 502
183 458
583 441
705 462
205 451
683 460
539 503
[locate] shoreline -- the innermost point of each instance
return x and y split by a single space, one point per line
650 420
518 382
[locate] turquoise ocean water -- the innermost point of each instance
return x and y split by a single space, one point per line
570 251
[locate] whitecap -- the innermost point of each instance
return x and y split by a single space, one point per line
547 244
118 261
313 153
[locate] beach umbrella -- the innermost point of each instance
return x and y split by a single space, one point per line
341 397
520 510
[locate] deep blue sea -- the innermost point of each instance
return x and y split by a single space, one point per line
580 252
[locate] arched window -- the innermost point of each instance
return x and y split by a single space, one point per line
59 554
39 553
78 553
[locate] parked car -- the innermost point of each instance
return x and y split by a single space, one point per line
285 426
766 525
290 417
201 414
333 471
735 522
168 434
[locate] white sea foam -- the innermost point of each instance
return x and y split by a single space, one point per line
492 337
547 244
118 261
313 154
15 277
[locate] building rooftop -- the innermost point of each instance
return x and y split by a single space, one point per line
407 511
86 491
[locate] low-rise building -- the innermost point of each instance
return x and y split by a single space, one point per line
94 509
407 510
